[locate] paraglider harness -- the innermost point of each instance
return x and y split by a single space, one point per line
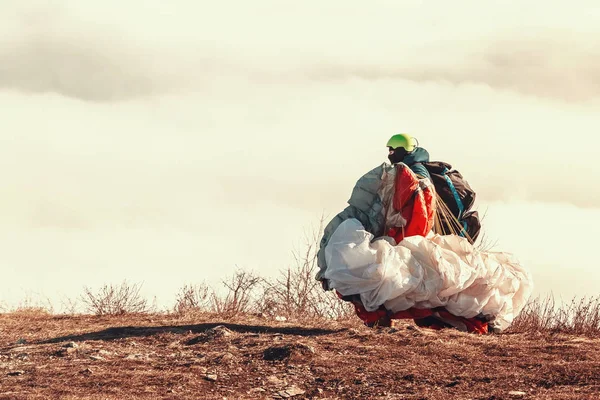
454 214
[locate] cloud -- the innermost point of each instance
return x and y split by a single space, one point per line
550 65
44 48
59 49
176 140
86 69
56 49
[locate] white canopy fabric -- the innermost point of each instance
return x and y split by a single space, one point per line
427 272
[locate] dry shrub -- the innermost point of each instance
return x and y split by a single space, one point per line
296 294
484 243
579 317
116 299
69 306
240 296
193 298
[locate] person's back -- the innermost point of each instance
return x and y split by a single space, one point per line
453 192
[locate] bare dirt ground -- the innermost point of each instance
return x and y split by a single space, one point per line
209 357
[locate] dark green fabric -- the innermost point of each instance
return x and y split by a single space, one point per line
414 160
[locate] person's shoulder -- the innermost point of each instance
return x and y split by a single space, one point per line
422 150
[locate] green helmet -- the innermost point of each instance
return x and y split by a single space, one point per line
402 140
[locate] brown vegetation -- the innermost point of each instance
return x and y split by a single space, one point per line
115 299
579 317
208 356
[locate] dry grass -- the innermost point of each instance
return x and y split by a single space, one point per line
293 295
241 295
29 307
111 299
296 296
579 317
192 298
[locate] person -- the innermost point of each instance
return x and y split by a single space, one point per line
391 201
403 149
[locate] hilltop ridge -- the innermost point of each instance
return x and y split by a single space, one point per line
150 356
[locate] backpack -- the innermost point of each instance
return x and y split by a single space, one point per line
459 197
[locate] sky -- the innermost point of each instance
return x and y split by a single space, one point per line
170 143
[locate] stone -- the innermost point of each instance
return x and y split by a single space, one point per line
516 393
290 391
219 331
275 380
